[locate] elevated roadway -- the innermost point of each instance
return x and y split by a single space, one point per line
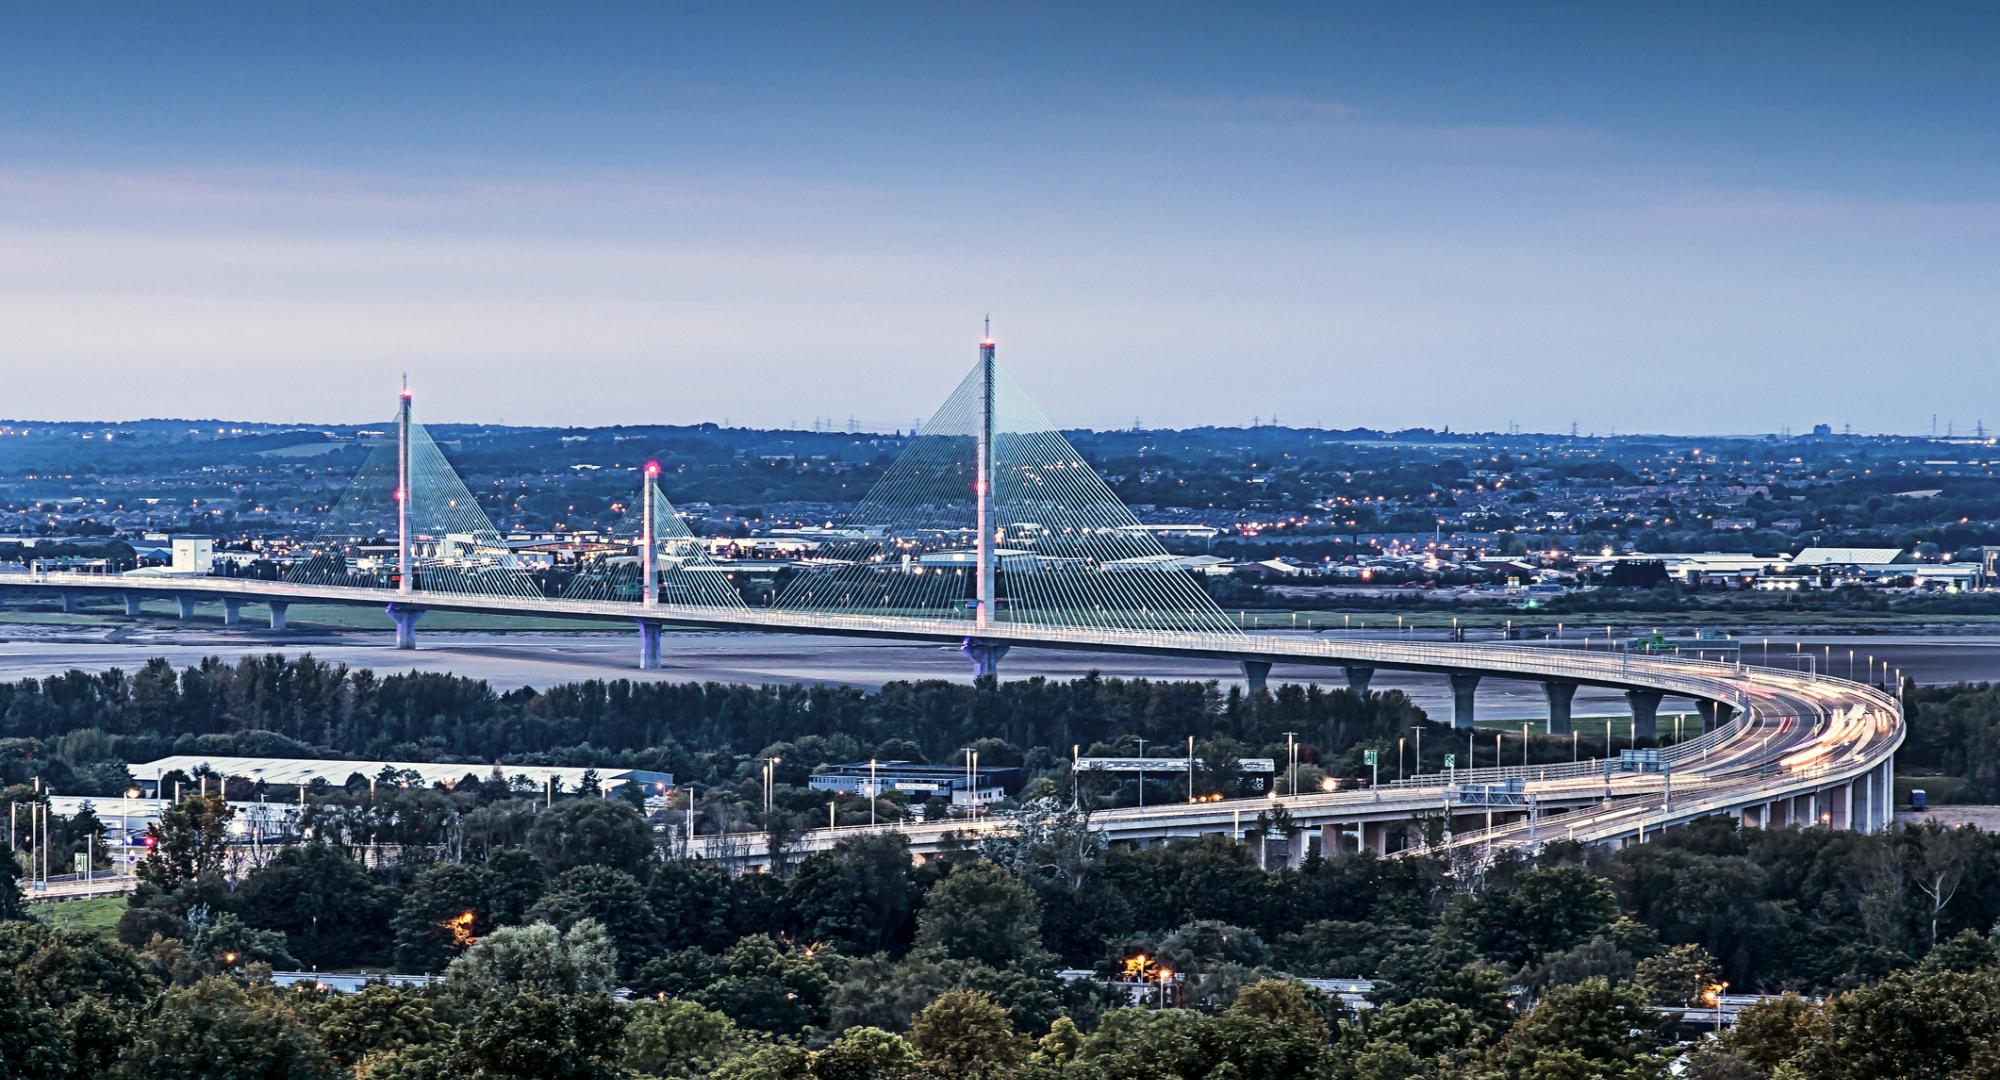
1783 747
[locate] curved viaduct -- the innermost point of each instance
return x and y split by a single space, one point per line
1781 747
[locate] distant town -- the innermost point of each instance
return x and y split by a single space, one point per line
1268 517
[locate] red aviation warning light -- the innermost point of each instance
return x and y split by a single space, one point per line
652 468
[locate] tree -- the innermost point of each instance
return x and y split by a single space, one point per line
980 913
533 1035
188 842
445 911
695 902
1768 1033
592 832
860 896
965 1033
332 913
1050 844
1590 1029
32 1046
612 898
218 1029
1678 976
1911 1024
1966 951
580 960
1547 910
678 1039
515 881
10 884
866 1053
768 987
373 1022
59 968
1936 859
1424 1037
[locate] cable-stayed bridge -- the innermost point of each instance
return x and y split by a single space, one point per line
990 531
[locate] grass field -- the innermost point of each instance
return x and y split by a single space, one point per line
95 914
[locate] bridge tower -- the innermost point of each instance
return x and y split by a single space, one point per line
405 617
649 575
649 587
405 569
983 613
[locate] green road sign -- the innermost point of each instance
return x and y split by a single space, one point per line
82 863
1450 760
1368 757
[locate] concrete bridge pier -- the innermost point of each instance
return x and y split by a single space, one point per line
1561 696
1296 846
1256 676
985 656
1358 678
187 607
232 611
278 609
1714 714
1463 687
132 602
71 601
1375 837
649 645
1645 706
406 625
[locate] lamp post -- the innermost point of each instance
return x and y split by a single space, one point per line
1524 746
874 792
1291 764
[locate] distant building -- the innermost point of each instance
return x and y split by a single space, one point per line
1816 557
193 555
978 787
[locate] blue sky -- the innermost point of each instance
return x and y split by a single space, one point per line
1682 218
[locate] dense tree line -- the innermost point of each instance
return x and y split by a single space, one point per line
861 962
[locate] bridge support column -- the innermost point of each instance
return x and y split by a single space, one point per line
1888 793
132 602
649 645
1463 687
232 611
71 600
278 609
1714 714
1295 850
1375 837
187 607
1256 676
1561 696
1645 706
985 656
406 625
1358 678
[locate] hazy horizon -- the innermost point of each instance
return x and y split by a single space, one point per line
1689 220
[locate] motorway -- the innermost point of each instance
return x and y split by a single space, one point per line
1800 748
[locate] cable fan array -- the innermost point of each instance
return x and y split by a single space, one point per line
453 543
1067 552
686 574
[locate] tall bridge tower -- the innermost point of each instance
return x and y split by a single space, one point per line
983 613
